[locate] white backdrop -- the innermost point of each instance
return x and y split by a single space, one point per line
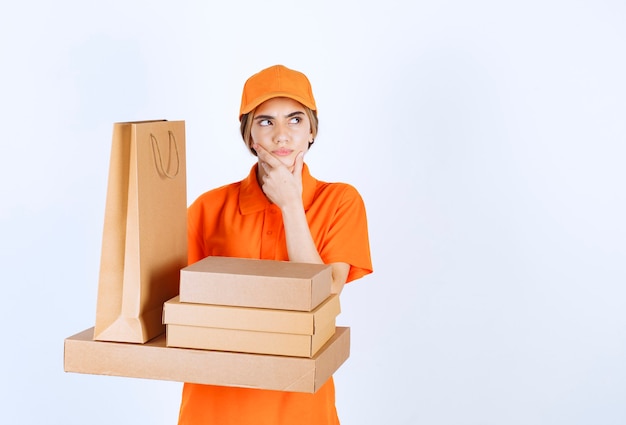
487 139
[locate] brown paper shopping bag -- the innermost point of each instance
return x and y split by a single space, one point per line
144 242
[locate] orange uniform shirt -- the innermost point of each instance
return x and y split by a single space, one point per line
237 220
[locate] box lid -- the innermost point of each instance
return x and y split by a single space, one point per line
153 360
247 282
176 312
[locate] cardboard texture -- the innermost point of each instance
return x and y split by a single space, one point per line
252 319
153 360
144 242
238 340
245 282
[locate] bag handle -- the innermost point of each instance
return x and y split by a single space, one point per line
157 154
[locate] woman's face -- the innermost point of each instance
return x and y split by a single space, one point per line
281 127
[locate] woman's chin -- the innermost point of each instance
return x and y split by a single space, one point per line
287 162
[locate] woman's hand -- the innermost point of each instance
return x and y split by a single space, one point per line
282 184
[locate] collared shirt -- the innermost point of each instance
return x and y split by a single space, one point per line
238 220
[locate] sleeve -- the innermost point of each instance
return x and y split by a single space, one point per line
195 242
347 239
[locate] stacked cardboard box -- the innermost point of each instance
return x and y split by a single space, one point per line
252 306
153 360
287 307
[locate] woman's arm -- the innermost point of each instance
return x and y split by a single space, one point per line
284 188
301 247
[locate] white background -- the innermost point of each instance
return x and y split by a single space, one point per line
487 139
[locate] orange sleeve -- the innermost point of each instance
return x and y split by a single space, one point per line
195 243
347 240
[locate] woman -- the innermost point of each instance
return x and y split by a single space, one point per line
278 212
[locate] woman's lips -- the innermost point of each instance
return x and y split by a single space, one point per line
282 152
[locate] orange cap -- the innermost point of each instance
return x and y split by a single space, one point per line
276 81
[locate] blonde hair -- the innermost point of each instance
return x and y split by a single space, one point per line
245 127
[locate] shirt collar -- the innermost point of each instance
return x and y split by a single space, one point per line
252 199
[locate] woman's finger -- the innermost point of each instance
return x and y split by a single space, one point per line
266 157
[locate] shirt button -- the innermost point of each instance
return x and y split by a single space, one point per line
269 232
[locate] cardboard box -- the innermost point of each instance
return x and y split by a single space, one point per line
153 360
245 282
238 340
252 319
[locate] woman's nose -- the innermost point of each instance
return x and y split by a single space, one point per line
281 135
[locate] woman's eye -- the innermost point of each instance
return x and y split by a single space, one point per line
264 123
295 120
